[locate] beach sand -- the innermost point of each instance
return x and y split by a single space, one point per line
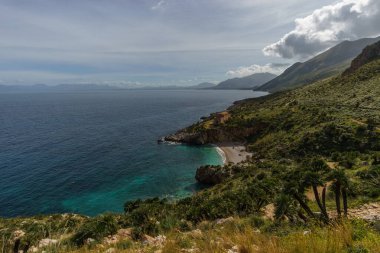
233 152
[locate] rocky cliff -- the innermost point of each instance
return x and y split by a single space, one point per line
213 135
370 53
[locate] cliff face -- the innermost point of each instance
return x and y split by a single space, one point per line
370 53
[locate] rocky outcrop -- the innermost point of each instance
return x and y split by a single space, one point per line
212 175
183 136
122 234
213 135
47 242
158 241
370 53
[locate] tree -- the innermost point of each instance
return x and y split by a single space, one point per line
315 175
339 186
262 191
285 205
295 187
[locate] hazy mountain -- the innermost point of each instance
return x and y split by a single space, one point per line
176 87
326 64
204 85
248 82
55 88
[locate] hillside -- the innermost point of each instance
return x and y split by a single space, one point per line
248 82
316 160
324 65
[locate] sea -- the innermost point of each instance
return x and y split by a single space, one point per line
89 152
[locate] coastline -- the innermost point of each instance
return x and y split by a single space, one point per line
232 152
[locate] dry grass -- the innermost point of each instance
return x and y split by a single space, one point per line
334 239
240 236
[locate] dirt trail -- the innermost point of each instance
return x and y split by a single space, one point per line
369 212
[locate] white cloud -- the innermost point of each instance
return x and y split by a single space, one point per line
274 68
347 19
159 5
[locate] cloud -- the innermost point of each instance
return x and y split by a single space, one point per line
158 5
274 68
96 40
327 26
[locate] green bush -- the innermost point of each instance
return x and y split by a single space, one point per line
137 233
123 245
358 249
96 228
256 221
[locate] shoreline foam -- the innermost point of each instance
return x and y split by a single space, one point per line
222 154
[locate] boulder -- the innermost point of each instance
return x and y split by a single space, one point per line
222 221
89 241
157 241
212 174
124 233
234 249
110 250
18 234
196 233
46 242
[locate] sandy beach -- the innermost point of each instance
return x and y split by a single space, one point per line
233 152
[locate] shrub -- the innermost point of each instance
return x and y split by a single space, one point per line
256 221
137 233
123 245
96 228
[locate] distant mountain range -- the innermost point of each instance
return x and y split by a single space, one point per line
55 88
245 83
90 87
200 86
204 85
327 64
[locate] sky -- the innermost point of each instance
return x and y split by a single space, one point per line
135 43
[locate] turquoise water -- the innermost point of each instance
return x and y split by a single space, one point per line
165 179
89 152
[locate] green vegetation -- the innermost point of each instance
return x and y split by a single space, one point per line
316 157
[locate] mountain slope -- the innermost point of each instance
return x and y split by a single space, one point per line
370 53
324 65
248 82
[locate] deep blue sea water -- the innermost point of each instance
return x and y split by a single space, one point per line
89 152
